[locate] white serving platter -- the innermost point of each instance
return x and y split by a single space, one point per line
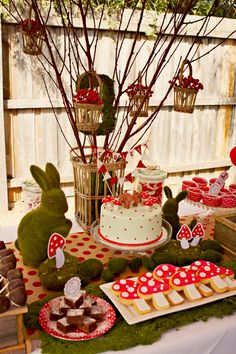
132 316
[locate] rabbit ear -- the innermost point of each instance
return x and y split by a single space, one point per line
181 196
41 177
53 175
168 192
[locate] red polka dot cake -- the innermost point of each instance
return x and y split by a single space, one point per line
133 220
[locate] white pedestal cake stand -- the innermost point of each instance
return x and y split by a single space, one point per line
142 250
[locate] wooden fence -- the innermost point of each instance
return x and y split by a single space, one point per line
181 144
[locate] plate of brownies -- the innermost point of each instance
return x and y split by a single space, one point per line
77 318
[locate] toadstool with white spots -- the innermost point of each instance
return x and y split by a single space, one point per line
127 291
165 272
56 244
107 200
186 280
147 204
184 235
116 203
154 289
197 234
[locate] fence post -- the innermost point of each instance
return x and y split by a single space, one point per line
3 171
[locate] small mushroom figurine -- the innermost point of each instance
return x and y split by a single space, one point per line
197 234
116 203
56 244
184 235
108 200
144 195
147 204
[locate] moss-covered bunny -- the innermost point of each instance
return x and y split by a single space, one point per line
38 225
171 207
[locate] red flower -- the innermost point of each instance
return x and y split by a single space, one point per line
187 82
30 26
88 96
137 90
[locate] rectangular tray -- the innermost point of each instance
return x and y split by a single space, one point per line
132 316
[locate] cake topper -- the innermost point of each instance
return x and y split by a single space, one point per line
56 244
185 234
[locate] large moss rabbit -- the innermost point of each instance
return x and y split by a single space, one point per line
171 207
38 225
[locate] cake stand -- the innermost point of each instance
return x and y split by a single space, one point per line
165 238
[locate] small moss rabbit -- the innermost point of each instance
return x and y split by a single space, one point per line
38 225
171 207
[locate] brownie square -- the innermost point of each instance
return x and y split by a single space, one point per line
64 326
63 307
96 312
74 302
56 314
75 316
87 304
88 324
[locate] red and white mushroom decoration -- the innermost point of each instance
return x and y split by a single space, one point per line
165 272
108 200
56 243
154 289
186 280
184 235
147 204
197 234
127 291
154 200
116 203
210 273
144 195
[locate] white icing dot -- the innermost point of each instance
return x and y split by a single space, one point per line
151 282
159 273
182 274
149 274
207 268
176 281
197 263
202 274
144 289
116 287
125 294
123 281
165 267
143 279
54 238
186 281
194 268
130 289
51 250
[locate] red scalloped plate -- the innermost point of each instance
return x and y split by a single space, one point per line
102 327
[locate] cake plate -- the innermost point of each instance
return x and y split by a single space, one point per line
165 238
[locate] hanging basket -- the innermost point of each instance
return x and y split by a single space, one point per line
90 188
32 35
136 93
88 115
184 98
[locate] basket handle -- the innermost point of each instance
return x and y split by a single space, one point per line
88 73
181 70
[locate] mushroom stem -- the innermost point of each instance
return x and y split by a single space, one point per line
191 292
142 306
184 244
60 258
195 241
218 284
230 282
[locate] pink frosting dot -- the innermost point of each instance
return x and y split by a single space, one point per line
99 255
32 272
42 296
29 292
36 284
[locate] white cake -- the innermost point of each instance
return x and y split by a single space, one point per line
135 226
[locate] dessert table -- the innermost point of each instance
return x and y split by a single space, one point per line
216 336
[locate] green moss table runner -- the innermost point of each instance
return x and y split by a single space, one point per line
122 335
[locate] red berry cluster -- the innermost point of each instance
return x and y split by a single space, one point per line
187 82
88 96
30 26
137 90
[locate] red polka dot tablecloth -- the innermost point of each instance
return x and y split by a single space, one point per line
83 246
